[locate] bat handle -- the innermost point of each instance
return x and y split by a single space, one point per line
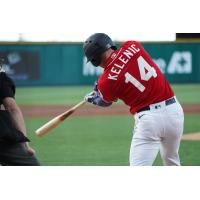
79 105
64 115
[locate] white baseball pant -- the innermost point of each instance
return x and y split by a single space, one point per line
158 129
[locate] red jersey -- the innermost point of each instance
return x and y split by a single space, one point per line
132 76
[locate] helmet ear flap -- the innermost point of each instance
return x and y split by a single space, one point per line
96 61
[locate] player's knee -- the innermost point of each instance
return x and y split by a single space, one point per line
171 159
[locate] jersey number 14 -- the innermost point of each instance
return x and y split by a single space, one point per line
146 72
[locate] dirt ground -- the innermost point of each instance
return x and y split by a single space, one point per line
191 136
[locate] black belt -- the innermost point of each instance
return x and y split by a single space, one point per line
167 102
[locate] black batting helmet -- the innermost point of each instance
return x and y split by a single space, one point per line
95 46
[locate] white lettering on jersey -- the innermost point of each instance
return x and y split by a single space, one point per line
112 77
119 66
134 49
116 71
128 53
122 61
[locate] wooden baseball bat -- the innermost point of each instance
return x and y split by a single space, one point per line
57 120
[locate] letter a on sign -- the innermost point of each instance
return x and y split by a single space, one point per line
180 63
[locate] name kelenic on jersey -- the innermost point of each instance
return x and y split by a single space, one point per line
121 61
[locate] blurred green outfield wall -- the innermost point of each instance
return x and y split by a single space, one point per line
31 63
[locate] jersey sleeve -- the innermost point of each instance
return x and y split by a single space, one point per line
106 91
7 86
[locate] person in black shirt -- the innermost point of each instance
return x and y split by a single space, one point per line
14 146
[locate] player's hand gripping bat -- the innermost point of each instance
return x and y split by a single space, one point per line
57 120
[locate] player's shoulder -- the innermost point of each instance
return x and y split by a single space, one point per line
102 79
104 82
129 43
106 88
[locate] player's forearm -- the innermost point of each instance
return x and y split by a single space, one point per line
18 119
100 102
16 114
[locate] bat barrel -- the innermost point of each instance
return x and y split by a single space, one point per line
57 120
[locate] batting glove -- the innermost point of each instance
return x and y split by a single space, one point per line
95 98
91 96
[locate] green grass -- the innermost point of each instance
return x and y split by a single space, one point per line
189 93
84 141
103 140
71 95
51 95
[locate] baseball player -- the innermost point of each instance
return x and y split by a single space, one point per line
131 75
14 146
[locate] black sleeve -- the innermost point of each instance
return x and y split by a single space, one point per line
7 86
